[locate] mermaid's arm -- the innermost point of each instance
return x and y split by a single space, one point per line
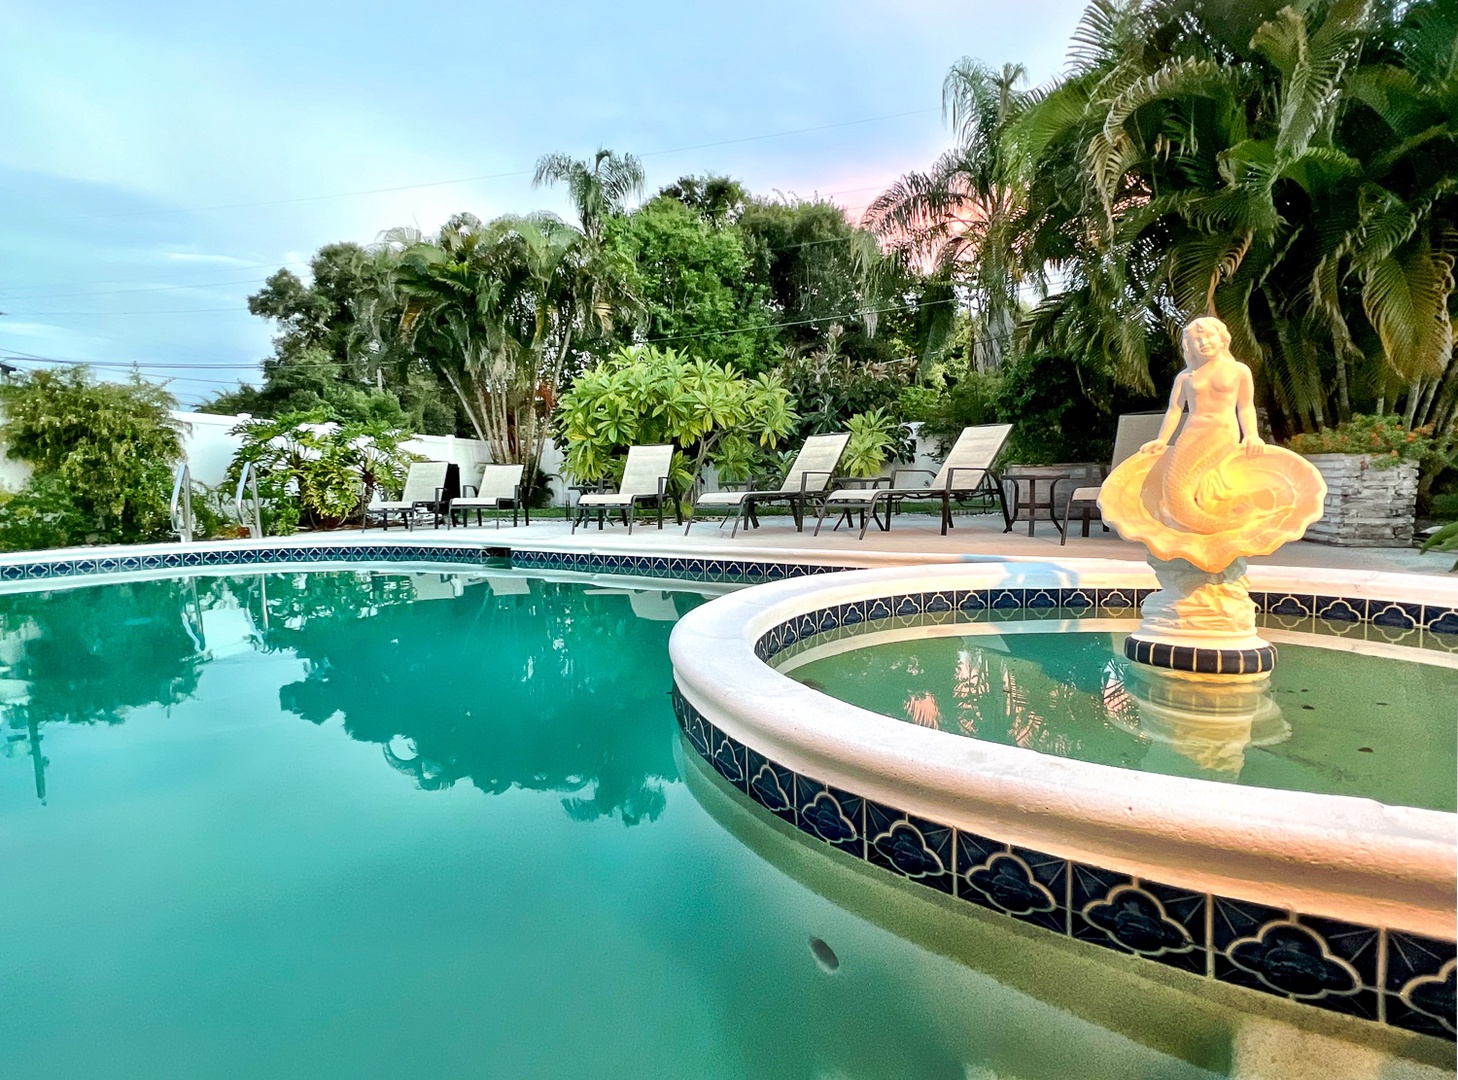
1246 414
1171 417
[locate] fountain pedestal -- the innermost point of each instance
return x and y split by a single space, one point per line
1201 622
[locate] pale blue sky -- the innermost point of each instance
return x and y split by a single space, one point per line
158 160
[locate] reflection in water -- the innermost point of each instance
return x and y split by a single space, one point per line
1338 722
486 683
1208 723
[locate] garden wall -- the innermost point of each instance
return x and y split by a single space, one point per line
208 448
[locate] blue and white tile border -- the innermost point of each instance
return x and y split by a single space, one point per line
1338 903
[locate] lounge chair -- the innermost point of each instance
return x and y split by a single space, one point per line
645 480
808 479
499 489
1135 429
425 489
966 472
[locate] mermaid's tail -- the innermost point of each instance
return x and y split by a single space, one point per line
1214 507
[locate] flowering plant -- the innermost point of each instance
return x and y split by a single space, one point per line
1384 438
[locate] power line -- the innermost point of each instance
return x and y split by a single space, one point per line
147 289
508 174
158 311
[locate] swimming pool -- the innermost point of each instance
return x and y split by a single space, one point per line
343 824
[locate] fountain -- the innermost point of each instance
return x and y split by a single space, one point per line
1203 503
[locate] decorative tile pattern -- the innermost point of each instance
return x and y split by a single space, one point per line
1403 979
910 846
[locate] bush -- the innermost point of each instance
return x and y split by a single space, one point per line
970 400
318 474
1385 438
874 437
102 454
827 389
644 395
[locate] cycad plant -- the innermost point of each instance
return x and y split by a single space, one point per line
1290 169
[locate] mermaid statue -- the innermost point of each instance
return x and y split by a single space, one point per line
1201 501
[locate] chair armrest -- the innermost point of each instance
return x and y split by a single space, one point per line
804 476
467 490
860 482
736 485
952 477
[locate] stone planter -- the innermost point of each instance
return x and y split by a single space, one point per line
1365 506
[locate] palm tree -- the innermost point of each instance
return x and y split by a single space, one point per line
959 220
1288 181
495 307
599 189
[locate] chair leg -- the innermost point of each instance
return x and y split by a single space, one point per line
1086 516
824 509
631 513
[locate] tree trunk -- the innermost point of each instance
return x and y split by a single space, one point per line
1414 393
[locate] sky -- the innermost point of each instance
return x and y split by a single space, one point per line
158 160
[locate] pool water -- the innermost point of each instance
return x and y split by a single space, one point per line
441 825
1331 720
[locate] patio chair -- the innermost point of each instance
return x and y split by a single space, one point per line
1135 429
806 482
645 480
966 472
425 489
499 489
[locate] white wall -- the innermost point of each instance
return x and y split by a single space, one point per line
208 448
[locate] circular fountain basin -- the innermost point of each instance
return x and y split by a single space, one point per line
1297 855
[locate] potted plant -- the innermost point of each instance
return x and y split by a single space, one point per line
1371 465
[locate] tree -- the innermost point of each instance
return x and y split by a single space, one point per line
337 349
824 277
719 200
961 218
495 309
102 455
694 284
1289 169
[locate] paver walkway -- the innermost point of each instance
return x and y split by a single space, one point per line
913 538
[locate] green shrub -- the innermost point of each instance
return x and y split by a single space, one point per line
971 400
317 474
874 437
827 389
643 395
102 455
1445 539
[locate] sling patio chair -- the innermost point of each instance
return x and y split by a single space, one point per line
1135 429
966 473
499 489
806 482
425 489
645 480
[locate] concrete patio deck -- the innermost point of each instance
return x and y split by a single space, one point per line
913 538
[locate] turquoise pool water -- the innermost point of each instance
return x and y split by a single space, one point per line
373 825
1334 721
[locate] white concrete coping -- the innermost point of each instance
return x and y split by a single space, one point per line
1336 856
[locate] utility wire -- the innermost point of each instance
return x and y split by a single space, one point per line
510 173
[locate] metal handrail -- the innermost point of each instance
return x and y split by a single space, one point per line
249 479
184 525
